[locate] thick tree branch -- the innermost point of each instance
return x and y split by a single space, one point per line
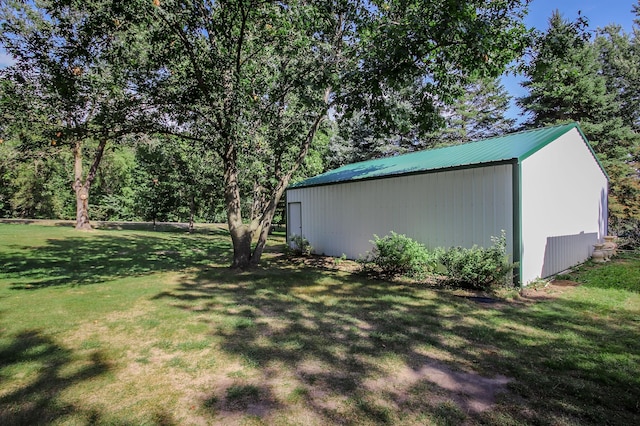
96 163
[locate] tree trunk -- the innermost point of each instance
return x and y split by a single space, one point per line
267 219
241 234
81 190
82 209
264 231
192 211
241 237
270 209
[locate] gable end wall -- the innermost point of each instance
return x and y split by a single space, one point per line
564 207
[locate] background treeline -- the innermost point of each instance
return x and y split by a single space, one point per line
138 180
571 74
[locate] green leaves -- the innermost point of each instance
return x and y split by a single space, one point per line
396 254
480 267
437 46
69 64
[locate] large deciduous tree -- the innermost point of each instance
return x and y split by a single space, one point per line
253 80
69 79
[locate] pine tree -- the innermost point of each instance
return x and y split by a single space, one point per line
619 55
480 113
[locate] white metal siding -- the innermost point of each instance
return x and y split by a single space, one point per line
564 207
444 209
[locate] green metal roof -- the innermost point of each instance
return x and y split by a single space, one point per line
514 146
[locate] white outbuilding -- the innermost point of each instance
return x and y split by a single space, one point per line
545 188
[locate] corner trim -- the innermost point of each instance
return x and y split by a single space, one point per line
516 187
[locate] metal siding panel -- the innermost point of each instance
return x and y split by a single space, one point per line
506 202
563 207
456 209
463 207
442 220
478 206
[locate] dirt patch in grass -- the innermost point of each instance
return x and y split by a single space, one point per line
549 291
472 392
329 263
323 262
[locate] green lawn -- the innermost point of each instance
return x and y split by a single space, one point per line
138 327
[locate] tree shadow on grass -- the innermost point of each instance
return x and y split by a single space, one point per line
337 334
570 365
103 257
266 322
36 372
41 361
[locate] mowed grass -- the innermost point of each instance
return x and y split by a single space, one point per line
139 327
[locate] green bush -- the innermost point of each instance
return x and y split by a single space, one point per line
397 254
479 267
299 246
630 236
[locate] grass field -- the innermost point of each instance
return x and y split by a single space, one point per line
138 327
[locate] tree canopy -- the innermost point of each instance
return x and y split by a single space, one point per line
254 80
261 93
69 80
230 101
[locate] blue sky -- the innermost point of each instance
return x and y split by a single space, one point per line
5 60
599 12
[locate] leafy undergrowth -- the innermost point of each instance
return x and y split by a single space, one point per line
136 327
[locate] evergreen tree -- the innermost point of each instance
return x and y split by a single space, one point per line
354 139
563 78
620 61
619 55
479 113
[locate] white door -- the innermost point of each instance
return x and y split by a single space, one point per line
294 220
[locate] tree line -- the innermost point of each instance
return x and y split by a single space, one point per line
208 110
